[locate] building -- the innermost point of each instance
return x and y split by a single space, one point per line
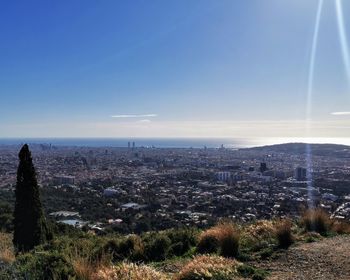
65 215
263 167
132 205
223 176
300 174
110 192
64 180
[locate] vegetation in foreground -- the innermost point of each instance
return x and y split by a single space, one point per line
221 252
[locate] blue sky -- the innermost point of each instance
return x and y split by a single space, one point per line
182 68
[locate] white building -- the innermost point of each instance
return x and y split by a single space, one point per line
223 176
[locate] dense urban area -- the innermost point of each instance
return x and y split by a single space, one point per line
137 189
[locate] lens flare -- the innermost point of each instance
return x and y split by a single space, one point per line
312 60
342 37
310 89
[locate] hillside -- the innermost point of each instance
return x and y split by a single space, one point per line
331 150
313 247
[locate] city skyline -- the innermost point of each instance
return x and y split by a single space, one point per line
173 69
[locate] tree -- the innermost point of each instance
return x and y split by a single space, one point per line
30 228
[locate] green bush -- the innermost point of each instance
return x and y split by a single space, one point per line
119 249
45 265
182 240
177 249
111 248
132 248
157 247
246 270
208 244
10 272
249 271
266 253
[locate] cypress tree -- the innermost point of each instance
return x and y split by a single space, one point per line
30 228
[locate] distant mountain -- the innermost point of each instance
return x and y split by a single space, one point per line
332 150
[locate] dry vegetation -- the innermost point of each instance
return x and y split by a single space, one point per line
129 271
209 267
340 227
84 267
7 254
316 220
283 232
135 257
222 239
256 235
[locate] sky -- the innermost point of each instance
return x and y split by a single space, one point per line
173 68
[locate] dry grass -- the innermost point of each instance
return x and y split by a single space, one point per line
340 227
209 267
316 220
7 252
129 271
84 267
257 234
224 235
283 232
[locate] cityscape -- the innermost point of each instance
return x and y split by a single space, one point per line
135 189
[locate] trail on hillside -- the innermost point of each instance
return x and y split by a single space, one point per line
327 259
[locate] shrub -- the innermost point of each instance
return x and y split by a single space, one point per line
246 270
209 268
266 253
283 233
223 238
310 237
182 240
10 272
177 249
157 247
208 244
249 271
258 235
316 220
126 271
118 249
111 248
229 240
45 265
131 248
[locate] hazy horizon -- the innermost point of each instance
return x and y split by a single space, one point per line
172 142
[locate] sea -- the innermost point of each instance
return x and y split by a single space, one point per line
232 143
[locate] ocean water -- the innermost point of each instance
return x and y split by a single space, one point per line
234 143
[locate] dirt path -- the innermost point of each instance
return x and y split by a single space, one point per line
327 259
